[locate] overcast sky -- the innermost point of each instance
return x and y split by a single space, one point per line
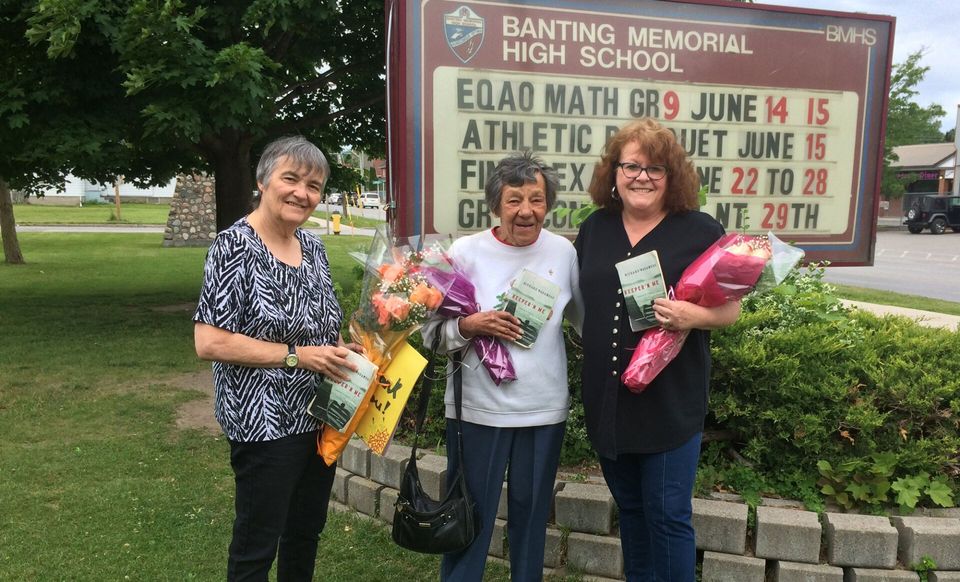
928 24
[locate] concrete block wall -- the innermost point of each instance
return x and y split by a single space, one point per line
787 543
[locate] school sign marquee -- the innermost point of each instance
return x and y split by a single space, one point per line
781 109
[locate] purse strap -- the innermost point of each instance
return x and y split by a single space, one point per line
427 381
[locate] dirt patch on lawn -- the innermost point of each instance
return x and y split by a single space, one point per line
175 308
197 414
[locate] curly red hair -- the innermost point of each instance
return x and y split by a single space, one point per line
660 146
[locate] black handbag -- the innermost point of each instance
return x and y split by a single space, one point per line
423 524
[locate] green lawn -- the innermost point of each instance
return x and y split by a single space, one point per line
130 213
891 298
96 481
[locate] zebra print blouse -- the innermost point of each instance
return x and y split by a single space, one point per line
247 290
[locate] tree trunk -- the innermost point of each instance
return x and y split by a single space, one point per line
234 178
116 197
8 227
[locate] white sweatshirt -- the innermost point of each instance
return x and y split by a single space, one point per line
539 396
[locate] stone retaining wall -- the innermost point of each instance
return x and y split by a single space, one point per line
787 544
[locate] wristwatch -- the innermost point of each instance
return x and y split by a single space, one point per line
292 359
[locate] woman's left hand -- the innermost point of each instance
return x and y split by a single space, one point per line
331 361
681 315
675 315
353 347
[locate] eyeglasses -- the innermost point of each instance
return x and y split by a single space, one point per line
633 171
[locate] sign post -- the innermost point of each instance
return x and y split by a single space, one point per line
782 110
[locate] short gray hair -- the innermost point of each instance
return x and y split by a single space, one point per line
300 151
516 170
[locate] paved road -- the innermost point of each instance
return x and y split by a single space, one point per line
914 264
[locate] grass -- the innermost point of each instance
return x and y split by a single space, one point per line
96 481
130 213
897 299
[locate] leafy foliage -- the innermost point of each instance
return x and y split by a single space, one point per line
210 83
801 380
907 122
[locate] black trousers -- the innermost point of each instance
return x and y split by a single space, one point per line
283 488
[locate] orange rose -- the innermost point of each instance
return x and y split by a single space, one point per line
390 272
396 307
379 305
426 295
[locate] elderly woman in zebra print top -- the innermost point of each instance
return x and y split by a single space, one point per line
269 321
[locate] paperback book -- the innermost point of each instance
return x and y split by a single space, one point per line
641 279
530 299
390 396
335 402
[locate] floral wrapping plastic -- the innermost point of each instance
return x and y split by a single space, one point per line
732 267
396 298
460 300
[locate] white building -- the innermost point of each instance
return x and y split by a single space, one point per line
76 190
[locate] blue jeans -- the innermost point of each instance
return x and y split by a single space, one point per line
653 494
283 488
532 454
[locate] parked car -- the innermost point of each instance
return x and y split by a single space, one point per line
370 200
933 211
335 198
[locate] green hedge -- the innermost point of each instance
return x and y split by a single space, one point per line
867 407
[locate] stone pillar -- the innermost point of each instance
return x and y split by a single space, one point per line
193 213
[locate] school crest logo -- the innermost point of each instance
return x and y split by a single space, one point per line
463 30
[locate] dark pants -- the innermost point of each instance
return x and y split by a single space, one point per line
532 454
283 488
653 494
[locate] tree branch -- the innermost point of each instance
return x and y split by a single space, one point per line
328 77
319 121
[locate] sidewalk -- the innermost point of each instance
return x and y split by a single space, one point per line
927 318
890 223
324 227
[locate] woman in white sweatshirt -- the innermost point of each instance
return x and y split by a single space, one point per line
515 428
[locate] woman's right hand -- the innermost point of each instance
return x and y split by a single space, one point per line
498 324
327 360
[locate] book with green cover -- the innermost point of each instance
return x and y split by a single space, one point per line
335 402
530 299
641 279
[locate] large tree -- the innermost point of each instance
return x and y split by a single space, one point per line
60 116
215 81
907 122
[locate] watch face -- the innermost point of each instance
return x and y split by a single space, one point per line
291 360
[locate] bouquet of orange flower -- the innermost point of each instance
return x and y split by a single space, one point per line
395 300
732 267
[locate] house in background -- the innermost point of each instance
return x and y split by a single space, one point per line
932 164
76 192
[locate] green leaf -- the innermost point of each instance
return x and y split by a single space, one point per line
859 491
884 463
940 493
908 493
702 196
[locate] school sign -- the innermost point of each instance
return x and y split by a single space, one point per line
782 110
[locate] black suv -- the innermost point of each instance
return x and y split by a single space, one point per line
933 211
